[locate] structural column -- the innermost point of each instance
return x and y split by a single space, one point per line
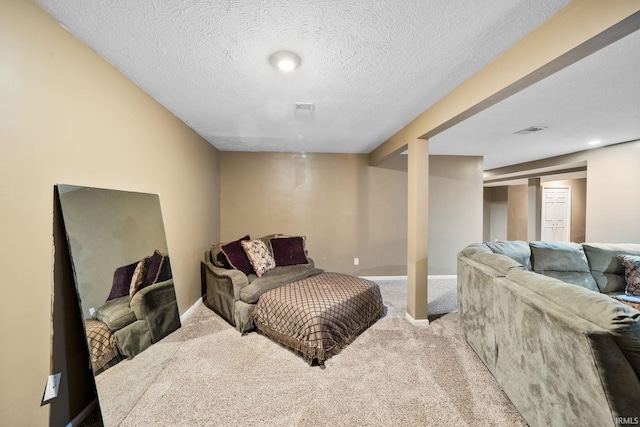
418 230
534 207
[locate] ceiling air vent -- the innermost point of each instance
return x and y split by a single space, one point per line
303 108
529 130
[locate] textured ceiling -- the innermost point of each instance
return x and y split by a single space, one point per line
369 67
597 98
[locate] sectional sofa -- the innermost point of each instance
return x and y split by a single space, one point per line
543 318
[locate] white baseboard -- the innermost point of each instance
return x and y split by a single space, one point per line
190 311
414 322
435 276
83 414
443 276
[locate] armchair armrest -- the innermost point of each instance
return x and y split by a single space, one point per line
156 304
148 300
232 281
222 289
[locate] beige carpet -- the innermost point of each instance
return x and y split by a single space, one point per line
394 374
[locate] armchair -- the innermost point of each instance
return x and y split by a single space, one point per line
148 317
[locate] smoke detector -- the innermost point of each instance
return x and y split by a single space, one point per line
529 130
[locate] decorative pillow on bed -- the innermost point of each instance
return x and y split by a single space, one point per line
289 251
236 256
122 281
631 273
259 256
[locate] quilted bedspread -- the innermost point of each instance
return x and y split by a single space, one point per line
102 343
319 315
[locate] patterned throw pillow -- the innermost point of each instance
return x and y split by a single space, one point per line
631 274
631 304
137 281
259 256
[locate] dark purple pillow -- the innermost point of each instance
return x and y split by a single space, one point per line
122 281
155 263
288 251
236 256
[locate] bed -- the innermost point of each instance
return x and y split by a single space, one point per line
320 315
102 345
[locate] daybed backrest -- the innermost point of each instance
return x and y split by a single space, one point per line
605 265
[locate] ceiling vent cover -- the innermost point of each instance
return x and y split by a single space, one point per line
303 108
529 130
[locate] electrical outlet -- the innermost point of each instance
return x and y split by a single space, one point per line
51 389
356 261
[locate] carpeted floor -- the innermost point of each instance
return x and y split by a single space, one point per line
394 374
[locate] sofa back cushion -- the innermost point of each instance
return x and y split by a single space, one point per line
621 321
475 247
517 250
563 261
499 262
606 268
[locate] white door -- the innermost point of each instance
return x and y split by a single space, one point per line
556 214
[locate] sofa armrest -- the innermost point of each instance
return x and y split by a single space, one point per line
222 289
149 299
230 280
157 306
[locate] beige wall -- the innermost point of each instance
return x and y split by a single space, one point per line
510 202
496 213
67 116
517 214
611 207
455 209
346 208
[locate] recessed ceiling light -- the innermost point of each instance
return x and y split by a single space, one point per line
285 60
595 142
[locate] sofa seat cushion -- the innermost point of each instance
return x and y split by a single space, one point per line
606 268
273 278
517 250
116 313
563 261
620 321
